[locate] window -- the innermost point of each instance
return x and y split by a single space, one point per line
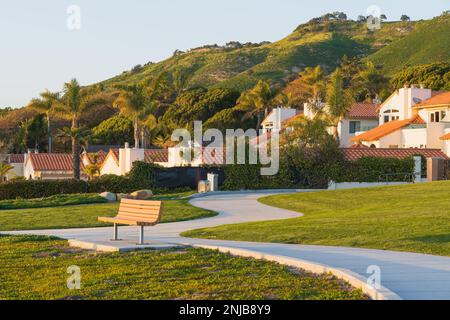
435 116
355 126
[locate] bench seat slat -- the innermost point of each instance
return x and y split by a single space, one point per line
126 221
134 218
138 206
141 202
139 211
137 216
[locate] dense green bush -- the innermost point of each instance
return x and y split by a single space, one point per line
41 188
143 174
372 169
248 177
53 201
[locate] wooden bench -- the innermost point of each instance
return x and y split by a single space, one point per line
139 213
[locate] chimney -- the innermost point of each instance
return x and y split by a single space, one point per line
414 86
422 86
128 156
405 86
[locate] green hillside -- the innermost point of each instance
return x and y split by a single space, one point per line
241 66
428 43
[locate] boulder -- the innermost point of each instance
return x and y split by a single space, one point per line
142 194
111 197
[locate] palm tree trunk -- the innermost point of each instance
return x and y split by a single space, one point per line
49 134
75 152
136 132
143 138
258 122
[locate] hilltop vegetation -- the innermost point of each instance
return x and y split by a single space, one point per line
241 66
429 43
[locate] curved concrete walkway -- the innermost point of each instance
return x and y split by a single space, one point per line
402 275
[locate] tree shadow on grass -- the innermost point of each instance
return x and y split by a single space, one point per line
439 238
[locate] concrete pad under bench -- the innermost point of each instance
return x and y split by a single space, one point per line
120 246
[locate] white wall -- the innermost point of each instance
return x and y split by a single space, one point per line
434 132
403 101
28 171
276 117
110 166
16 172
358 185
393 139
414 138
344 130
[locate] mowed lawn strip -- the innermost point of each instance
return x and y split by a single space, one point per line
85 216
36 268
413 218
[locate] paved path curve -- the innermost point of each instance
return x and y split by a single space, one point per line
403 275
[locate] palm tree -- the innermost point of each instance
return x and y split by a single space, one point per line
73 104
77 136
46 104
257 102
138 101
131 101
93 170
339 101
149 123
5 169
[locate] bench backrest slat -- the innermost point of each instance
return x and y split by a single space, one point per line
140 210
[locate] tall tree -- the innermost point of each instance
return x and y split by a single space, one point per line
257 102
75 102
46 104
369 83
339 101
309 87
35 132
77 136
138 101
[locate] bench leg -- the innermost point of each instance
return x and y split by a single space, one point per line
141 235
116 232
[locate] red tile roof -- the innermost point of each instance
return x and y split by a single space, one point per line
363 110
292 119
156 155
440 99
52 161
387 128
16 158
353 154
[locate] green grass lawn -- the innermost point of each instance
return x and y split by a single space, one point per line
84 216
414 218
36 268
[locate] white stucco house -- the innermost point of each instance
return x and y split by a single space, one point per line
361 117
411 118
274 121
17 162
49 166
120 161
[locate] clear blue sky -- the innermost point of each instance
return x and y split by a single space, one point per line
38 51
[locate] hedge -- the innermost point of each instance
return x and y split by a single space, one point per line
372 169
32 189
